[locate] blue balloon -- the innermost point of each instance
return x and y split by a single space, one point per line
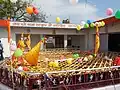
89 21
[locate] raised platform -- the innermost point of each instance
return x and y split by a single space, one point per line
89 74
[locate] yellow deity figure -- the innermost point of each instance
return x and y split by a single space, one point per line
28 42
21 44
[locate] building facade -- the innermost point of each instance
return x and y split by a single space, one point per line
63 36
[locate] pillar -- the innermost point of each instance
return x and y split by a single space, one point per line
42 44
90 40
65 41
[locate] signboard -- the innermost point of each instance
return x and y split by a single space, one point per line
42 25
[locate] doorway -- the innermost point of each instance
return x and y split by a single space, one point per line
114 42
55 41
59 41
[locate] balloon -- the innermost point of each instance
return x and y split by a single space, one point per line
78 27
18 52
103 23
13 48
117 14
94 55
82 23
29 10
96 23
55 64
88 21
75 56
86 25
109 11
25 68
73 2
69 61
57 20
51 64
100 24
85 59
36 11
33 7
20 68
80 59
90 57
92 25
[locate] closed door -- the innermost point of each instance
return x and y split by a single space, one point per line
59 41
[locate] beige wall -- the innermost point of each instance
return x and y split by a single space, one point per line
4 33
68 32
115 27
103 42
78 40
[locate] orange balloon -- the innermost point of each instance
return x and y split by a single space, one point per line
29 10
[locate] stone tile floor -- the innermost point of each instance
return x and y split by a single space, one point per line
3 87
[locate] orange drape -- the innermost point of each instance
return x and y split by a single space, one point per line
6 23
3 23
9 31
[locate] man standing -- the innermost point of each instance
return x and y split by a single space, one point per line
1 51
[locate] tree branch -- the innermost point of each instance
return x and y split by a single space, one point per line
21 16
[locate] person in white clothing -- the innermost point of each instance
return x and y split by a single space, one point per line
1 51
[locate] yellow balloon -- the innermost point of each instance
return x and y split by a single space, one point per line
55 64
86 59
95 55
90 57
103 23
100 24
69 61
50 64
96 23
58 20
78 27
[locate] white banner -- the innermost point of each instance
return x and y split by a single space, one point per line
42 25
